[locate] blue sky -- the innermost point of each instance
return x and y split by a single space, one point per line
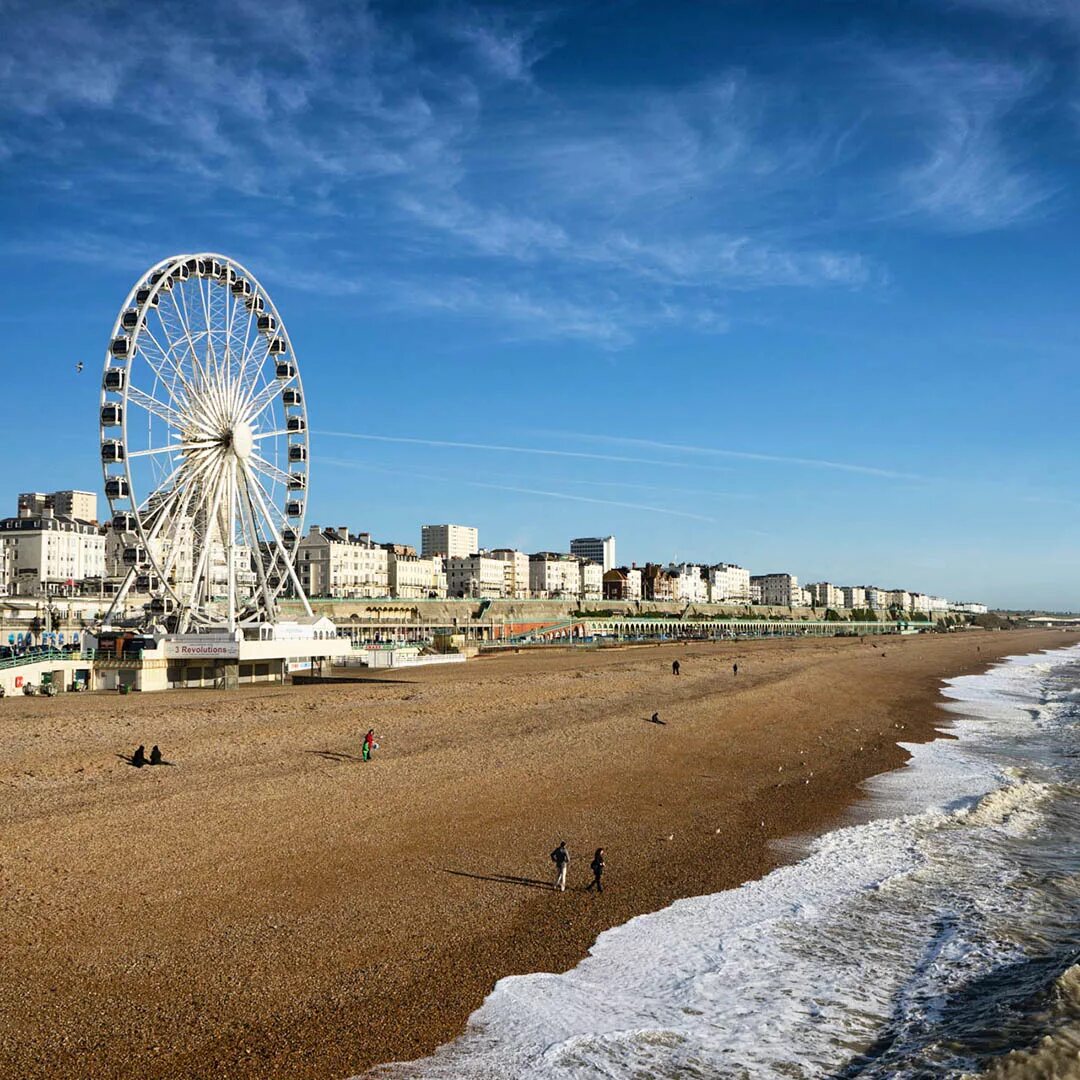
792 285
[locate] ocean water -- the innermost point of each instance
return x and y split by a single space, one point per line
937 937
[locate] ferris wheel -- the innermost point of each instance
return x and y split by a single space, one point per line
204 446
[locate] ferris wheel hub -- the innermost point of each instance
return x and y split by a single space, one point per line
242 439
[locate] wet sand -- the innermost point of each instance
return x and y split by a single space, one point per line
272 906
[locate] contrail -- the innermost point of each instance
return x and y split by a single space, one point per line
516 450
743 455
522 490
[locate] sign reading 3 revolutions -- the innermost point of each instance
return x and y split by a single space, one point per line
199 646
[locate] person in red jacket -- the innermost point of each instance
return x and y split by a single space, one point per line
369 744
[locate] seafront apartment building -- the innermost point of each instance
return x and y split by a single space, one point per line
778 590
554 574
334 562
823 594
515 571
598 549
50 553
413 577
690 584
449 541
80 505
728 583
479 575
855 597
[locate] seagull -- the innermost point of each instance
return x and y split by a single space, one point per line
78 367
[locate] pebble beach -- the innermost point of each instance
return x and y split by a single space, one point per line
269 904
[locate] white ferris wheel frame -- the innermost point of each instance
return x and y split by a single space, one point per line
210 479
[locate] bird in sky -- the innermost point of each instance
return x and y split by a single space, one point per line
78 367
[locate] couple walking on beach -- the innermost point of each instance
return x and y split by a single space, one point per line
561 858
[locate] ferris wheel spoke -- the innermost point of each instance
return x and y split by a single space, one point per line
238 360
185 330
259 436
208 310
258 403
249 352
166 357
151 404
271 472
175 448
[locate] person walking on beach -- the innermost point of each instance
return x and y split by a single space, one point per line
674 667
597 868
734 669
561 858
369 744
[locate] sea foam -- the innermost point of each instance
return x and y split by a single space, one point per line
843 962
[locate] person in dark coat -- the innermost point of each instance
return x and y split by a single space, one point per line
735 669
155 755
561 858
674 667
597 868
138 759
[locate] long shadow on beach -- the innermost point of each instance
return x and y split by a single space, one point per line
503 879
333 755
129 759
322 680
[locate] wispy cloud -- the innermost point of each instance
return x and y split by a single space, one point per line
504 42
743 455
537 451
460 184
972 176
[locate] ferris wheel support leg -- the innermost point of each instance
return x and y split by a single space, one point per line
204 555
277 540
230 545
248 519
121 595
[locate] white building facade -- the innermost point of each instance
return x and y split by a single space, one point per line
412 577
826 595
855 597
554 575
590 580
876 599
600 549
81 505
516 571
728 583
778 590
690 583
477 575
333 562
449 541
49 554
